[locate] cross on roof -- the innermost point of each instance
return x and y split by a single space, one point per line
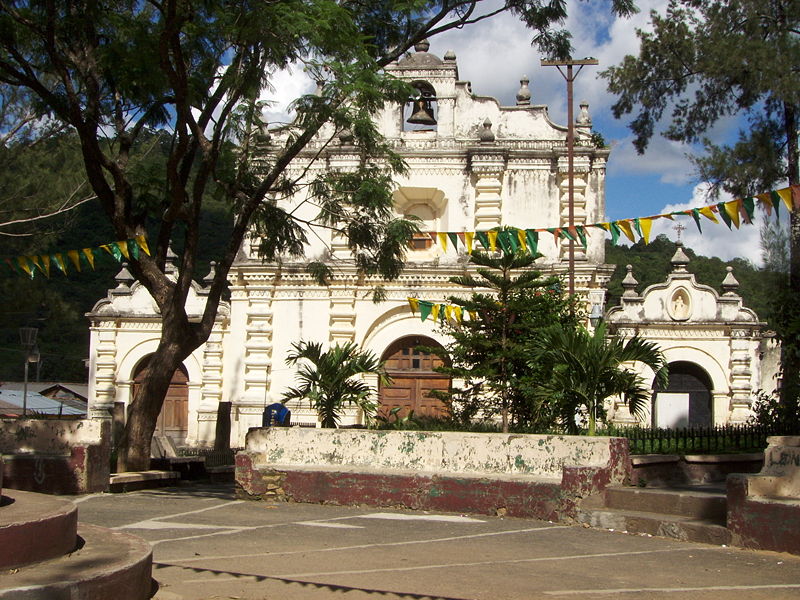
679 228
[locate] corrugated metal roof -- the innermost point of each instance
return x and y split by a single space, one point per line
11 404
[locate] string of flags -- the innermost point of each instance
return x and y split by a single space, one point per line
440 311
79 259
733 213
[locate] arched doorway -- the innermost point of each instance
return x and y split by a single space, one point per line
173 421
686 401
413 378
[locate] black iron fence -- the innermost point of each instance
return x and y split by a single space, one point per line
213 458
722 439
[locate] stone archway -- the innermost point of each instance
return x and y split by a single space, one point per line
173 421
686 401
413 378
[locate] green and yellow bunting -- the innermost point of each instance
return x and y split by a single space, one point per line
30 265
733 213
439 311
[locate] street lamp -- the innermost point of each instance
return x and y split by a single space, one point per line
596 316
27 337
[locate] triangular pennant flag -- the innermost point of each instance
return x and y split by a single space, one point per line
504 239
637 226
564 232
614 229
37 262
458 312
581 233
58 258
425 309
748 207
442 240
448 312
462 236
453 239
708 213
133 249
89 255
45 262
435 311
492 235
469 238
483 238
414 304
123 248
473 315
732 208
142 242
645 224
533 240
696 216
625 226
512 239
25 266
75 258
522 239
724 214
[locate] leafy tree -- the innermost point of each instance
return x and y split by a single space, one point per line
110 70
327 379
587 368
513 303
706 60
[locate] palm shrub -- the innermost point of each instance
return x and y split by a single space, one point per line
328 379
587 368
511 302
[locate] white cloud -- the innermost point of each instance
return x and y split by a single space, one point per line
664 158
285 87
716 239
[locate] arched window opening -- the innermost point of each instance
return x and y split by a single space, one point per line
420 111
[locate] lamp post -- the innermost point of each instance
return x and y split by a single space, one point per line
596 316
27 337
570 77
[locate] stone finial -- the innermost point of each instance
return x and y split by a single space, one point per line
209 279
583 119
486 135
422 46
169 264
679 259
346 137
262 130
629 283
124 280
450 56
524 93
729 284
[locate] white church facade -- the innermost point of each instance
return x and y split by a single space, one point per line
473 165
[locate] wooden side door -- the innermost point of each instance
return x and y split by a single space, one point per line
173 421
413 375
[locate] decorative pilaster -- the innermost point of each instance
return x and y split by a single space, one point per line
211 394
488 167
105 375
580 182
258 345
342 322
740 376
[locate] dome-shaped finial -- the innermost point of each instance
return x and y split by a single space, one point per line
450 56
422 46
524 93
212 272
486 135
346 137
124 280
629 283
679 259
729 284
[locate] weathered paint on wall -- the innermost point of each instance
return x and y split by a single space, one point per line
764 509
539 476
56 457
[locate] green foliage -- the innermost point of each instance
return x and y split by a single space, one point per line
327 379
771 412
651 265
586 368
513 303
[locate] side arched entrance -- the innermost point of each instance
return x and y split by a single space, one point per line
413 378
686 401
173 421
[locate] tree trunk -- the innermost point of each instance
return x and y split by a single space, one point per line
134 448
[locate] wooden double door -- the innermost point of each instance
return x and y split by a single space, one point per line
173 421
413 378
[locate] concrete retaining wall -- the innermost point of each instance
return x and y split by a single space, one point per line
55 456
764 509
520 475
671 469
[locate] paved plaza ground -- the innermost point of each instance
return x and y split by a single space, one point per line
208 545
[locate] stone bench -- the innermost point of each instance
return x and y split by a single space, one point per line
541 476
764 508
55 456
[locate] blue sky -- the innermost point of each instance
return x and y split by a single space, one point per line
494 55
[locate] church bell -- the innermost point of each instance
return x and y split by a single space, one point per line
423 113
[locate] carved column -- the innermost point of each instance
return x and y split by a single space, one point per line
105 373
342 324
211 394
581 171
258 344
740 375
488 167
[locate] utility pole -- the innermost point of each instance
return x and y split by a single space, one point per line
570 76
